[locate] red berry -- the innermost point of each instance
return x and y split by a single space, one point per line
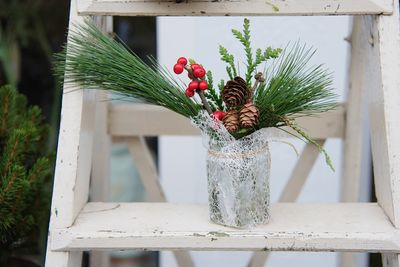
193 85
219 114
178 68
189 92
182 60
199 73
195 66
203 85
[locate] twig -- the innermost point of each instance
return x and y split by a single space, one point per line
200 92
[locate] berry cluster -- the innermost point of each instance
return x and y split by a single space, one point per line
195 72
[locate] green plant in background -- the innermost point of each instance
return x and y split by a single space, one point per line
24 169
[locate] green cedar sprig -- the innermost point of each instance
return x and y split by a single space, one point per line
251 62
230 60
244 38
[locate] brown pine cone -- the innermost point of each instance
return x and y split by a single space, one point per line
236 93
249 115
231 120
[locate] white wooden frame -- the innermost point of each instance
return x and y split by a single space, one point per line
77 225
234 8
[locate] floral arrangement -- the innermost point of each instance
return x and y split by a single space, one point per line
277 87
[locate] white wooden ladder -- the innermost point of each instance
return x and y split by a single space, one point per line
89 125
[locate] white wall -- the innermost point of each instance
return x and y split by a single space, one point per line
182 159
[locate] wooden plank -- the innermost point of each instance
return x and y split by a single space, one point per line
100 176
356 158
383 68
166 226
146 167
63 259
73 163
356 116
234 7
390 260
133 120
300 172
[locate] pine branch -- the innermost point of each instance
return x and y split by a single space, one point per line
22 146
308 138
294 89
95 60
7 111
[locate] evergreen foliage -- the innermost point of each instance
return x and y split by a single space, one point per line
251 62
95 60
23 171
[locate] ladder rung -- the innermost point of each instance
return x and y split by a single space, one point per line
234 8
359 227
133 120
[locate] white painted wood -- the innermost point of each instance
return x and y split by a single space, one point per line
300 172
63 259
146 167
259 259
390 260
355 116
382 71
166 226
73 164
74 153
356 149
235 8
133 120
100 176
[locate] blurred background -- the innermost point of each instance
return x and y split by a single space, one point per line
33 30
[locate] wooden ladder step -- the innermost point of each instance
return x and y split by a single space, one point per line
361 227
126 120
233 8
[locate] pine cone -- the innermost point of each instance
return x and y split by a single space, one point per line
231 120
236 92
249 115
